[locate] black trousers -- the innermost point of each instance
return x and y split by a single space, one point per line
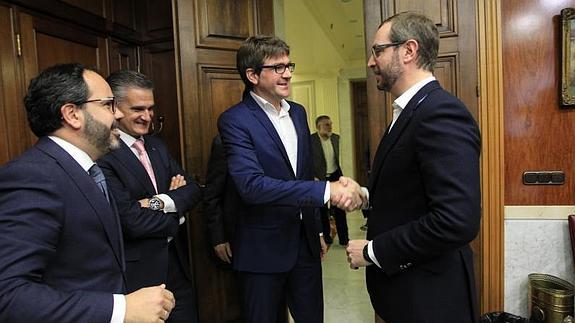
186 308
338 214
265 294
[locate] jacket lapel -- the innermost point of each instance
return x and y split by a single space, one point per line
264 120
125 156
106 211
389 139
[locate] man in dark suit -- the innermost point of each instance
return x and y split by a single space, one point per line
222 203
60 239
325 149
424 187
153 193
277 243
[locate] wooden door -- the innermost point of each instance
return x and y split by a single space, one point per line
208 35
14 134
456 67
360 125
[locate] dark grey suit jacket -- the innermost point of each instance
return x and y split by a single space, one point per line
319 165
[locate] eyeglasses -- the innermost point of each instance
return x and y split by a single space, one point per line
280 68
376 49
109 103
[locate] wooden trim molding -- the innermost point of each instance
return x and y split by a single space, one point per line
492 157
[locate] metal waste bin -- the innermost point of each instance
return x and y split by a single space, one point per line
550 299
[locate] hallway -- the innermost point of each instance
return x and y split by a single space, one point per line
345 296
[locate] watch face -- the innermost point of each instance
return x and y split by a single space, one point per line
155 203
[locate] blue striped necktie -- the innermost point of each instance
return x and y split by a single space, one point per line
99 178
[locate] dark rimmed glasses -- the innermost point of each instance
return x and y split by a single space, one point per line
109 103
280 68
376 49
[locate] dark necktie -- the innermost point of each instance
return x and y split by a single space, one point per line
99 178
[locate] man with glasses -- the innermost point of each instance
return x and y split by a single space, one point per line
60 239
424 187
153 193
277 245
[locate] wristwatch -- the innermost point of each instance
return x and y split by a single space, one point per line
156 204
366 254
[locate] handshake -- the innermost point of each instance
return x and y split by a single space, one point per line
347 195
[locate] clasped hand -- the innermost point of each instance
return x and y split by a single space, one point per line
346 194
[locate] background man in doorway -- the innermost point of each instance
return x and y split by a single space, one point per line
424 187
325 149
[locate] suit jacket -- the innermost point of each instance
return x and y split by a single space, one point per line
60 241
425 193
267 234
319 164
223 204
145 230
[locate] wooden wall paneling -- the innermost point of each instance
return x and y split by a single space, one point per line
492 154
96 7
446 71
442 12
534 122
220 88
83 16
158 20
124 15
123 55
14 133
224 24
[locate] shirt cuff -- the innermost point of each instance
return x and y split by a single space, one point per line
169 205
372 254
366 193
327 193
119 310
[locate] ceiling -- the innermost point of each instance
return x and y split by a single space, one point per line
342 23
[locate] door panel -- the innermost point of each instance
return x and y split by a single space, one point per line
14 134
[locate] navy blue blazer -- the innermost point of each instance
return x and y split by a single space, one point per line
60 241
267 231
425 193
146 231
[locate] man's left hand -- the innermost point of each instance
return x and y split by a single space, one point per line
354 253
177 182
324 248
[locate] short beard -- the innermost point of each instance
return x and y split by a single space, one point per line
390 74
99 135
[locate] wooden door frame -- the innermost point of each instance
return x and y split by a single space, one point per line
490 73
490 105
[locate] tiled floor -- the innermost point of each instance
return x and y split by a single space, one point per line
345 296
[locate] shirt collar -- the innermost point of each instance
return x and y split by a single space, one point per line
80 156
404 99
268 107
128 139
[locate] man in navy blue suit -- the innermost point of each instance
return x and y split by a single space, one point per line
60 240
277 245
153 193
424 187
